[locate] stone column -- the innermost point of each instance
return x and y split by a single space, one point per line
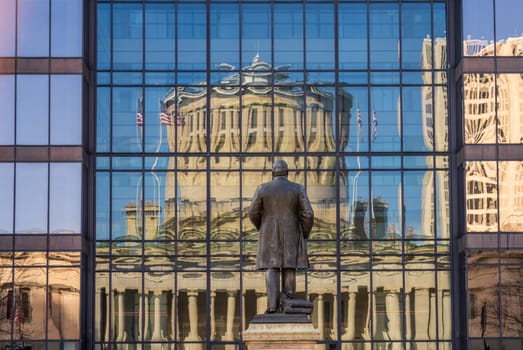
121 320
231 306
408 314
394 318
140 314
174 316
109 316
432 315
212 315
421 313
98 313
157 298
350 330
193 316
146 315
334 330
446 318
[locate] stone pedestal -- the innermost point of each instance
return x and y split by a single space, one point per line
281 332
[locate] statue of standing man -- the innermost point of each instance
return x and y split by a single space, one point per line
282 212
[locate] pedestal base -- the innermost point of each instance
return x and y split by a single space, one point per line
281 332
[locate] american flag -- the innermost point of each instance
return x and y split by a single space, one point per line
374 125
19 315
139 112
165 118
360 124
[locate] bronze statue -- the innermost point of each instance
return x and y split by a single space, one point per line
282 212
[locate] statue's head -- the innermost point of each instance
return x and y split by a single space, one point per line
280 168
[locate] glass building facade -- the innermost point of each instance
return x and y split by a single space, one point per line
126 185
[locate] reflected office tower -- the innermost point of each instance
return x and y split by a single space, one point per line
493 114
435 136
257 110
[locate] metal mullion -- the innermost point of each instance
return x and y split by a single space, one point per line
208 131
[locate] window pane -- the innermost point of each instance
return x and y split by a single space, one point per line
6 193
66 28
319 28
65 198
31 198
415 32
479 108
481 196
192 36
7 28
7 109
64 303
383 119
509 111
66 109
384 36
103 37
353 36
127 129
256 33
288 35
225 29
511 196
508 27
159 37
32 108
33 28
478 27
417 128
127 36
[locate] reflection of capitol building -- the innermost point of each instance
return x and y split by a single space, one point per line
298 111
163 305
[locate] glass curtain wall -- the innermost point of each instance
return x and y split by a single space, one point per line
41 225
195 100
492 115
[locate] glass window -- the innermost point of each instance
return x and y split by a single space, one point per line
417 121
384 36
66 109
415 34
508 104
508 27
225 29
288 35
319 31
7 28
479 108
6 193
481 197
32 109
31 198
7 109
103 119
478 27
63 303
385 129
65 198
66 28
127 36
128 119
256 33
192 35
33 28
103 36
510 176
353 36
159 37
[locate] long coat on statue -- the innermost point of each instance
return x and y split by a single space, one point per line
282 213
